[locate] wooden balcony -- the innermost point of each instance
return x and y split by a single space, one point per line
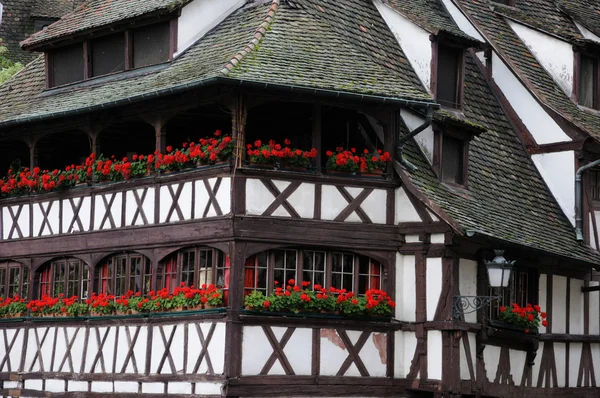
211 204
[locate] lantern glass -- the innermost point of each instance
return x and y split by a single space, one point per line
496 276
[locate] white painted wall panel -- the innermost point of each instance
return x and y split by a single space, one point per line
576 307
40 227
375 206
517 364
464 366
467 274
574 361
559 312
434 355
405 288
491 357
425 138
535 369
594 311
399 355
437 238
332 353
405 211
413 40
22 221
558 171
555 55
131 207
254 355
303 200
538 122
410 346
101 209
596 360
258 197
84 214
199 17
332 202
434 285
297 352
216 349
542 293
374 356
560 356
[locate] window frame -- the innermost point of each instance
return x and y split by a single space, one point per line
577 53
436 42
218 261
128 49
328 268
50 269
509 293
6 266
438 161
128 256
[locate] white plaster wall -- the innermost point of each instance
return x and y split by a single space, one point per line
199 17
542 294
586 33
491 357
303 199
101 209
375 206
332 203
131 207
413 40
405 211
185 202
434 285
406 307
437 238
434 355
461 21
467 282
410 346
574 361
594 312
52 209
576 314
412 238
541 126
560 356
22 220
559 312
464 366
558 171
596 359
517 364
296 351
425 138
555 55
399 355
84 214
535 369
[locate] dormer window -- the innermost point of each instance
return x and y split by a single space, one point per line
135 48
587 87
451 152
449 75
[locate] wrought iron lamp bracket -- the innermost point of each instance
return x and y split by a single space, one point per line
469 304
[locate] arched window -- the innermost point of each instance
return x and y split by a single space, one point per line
69 276
123 272
341 270
14 279
195 266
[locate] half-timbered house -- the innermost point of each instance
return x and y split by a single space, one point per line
487 108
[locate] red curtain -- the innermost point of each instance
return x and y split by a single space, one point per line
104 279
375 278
250 275
45 281
171 273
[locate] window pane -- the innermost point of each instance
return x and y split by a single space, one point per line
151 45
59 278
586 81
2 282
342 272
25 290
108 54
188 261
369 274
73 279
285 266
205 267
120 276
313 267
67 65
452 160
106 274
13 281
447 75
136 282
85 281
255 273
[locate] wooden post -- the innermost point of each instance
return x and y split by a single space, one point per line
33 153
239 115
233 333
316 132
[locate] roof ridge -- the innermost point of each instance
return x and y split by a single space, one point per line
259 35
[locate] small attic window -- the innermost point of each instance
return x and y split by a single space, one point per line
129 49
67 65
449 75
451 155
41 24
587 87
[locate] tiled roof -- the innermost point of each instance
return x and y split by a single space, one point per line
337 46
431 15
53 8
586 12
96 13
506 198
16 26
303 47
496 29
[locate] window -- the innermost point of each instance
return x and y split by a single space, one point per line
266 270
151 45
41 24
451 154
69 276
136 48
108 54
449 75
195 266
125 272
522 289
67 65
588 82
14 279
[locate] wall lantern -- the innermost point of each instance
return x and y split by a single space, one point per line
499 270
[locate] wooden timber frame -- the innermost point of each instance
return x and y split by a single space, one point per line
239 232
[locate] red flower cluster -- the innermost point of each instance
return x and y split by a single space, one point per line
272 153
527 317
348 160
12 306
